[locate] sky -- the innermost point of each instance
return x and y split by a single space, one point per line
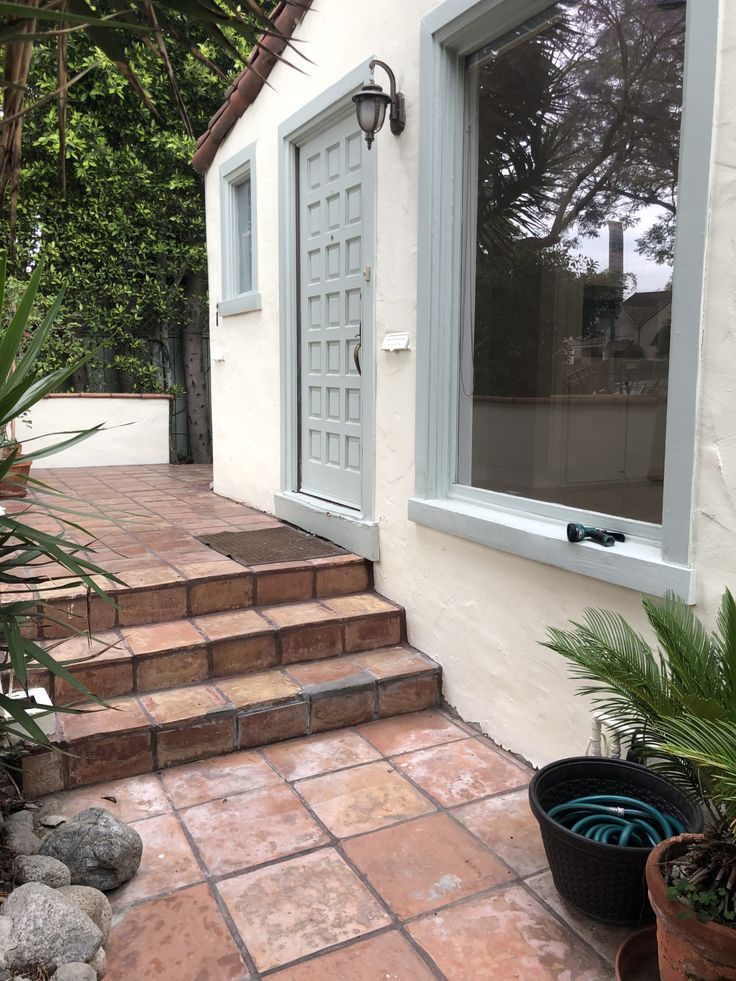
649 275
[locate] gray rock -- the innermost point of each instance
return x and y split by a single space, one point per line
47 929
92 902
75 972
99 849
99 963
20 838
52 820
6 931
42 868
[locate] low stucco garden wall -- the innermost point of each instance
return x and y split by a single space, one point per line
136 429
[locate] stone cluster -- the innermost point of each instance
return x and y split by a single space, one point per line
58 916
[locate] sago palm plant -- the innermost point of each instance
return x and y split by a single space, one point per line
703 878
690 673
676 703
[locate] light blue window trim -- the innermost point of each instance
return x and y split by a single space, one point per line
655 557
239 285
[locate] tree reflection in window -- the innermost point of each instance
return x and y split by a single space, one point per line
574 125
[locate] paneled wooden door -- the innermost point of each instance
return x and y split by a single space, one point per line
334 277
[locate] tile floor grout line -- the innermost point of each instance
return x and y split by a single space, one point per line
211 885
441 809
448 811
569 928
383 903
354 942
134 904
482 741
342 945
476 731
398 922
356 766
405 752
250 964
517 880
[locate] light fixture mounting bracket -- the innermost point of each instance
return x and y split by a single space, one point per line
397 109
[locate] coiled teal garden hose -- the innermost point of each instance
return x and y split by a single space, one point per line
615 820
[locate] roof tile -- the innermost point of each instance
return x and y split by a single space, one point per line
245 89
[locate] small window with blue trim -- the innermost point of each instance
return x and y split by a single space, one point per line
239 240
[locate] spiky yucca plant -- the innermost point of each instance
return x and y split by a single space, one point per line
26 551
690 673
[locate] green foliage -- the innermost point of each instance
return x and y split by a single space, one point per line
705 904
702 877
710 745
678 704
690 675
24 549
130 229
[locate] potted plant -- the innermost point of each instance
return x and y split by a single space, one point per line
600 819
639 690
15 482
692 878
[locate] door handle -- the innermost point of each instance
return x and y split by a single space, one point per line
356 350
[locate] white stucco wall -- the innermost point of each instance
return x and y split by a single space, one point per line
136 430
479 612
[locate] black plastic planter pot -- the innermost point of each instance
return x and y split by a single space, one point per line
606 882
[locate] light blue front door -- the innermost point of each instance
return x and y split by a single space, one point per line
332 278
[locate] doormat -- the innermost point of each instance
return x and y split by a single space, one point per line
264 545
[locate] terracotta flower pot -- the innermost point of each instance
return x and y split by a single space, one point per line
15 483
636 959
688 949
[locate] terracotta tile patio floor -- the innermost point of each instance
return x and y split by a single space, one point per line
401 850
145 519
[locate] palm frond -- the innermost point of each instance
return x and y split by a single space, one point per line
624 676
724 643
686 641
711 747
655 697
230 27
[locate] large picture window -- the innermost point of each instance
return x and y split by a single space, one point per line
573 156
565 160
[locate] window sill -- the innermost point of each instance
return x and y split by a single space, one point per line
636 563
239 304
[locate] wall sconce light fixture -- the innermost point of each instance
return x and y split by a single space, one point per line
371 104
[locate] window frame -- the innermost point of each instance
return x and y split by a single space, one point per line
654 558
234 172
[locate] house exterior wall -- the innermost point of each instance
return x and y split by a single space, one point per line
480 612
136 429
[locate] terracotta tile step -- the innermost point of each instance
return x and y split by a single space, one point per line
147 732
159 593
167 655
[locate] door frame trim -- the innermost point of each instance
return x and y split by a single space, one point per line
355 530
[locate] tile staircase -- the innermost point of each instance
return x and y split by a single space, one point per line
211 664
